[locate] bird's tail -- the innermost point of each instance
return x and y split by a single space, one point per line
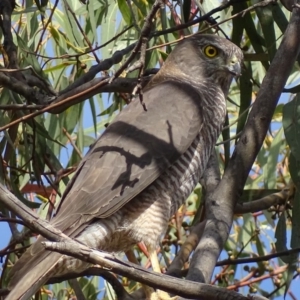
31 272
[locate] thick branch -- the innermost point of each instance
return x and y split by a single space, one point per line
21 88
104 65
80 94
87 90
180 287
279 198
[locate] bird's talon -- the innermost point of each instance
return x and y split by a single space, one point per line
162 295
159 295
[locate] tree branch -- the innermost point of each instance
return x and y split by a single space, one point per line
279 198
170 284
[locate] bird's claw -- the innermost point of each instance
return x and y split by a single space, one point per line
162 295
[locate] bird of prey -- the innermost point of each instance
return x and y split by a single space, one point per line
145 164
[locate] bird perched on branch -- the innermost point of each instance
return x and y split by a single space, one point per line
145 164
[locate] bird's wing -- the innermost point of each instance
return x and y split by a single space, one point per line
30 273
133 151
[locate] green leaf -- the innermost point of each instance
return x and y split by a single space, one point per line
43 132
110 293
280 18
186 10
245 235
94 114
89 287
108 28
291 125
246 96
267 24
294 168
125 11
88 140
226 136
260 251
256 41
272 161
295 238
238 26
30 57
72 32
290 274
91 18
19 195
280 235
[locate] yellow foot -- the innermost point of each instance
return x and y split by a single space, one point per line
161 295
150 293
157 295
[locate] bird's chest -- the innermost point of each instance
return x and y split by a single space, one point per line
179 180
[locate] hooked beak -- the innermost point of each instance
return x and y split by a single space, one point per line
234 67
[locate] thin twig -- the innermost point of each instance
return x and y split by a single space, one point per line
72 143
145 33
237 119
230 139
46 25
65 56
81 30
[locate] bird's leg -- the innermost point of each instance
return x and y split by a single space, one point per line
161 295
147 289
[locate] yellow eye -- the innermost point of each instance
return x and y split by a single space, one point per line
210 51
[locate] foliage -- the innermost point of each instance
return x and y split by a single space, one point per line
60 41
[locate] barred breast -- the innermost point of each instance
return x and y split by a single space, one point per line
145 218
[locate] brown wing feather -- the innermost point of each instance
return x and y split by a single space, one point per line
30 276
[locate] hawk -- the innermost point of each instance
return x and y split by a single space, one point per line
145 164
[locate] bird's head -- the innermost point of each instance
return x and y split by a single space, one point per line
207 56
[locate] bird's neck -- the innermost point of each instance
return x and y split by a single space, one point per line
172 72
